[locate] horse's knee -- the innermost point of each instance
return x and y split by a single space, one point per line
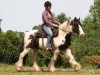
56 51
68 54
24 53
56 54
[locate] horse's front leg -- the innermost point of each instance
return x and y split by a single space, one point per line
19 63
76 66
35 64
53 59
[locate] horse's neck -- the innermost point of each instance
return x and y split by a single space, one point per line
64 29
63 25
61 33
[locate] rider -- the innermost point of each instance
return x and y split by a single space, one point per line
49 21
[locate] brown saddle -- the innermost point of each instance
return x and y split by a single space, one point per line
42 34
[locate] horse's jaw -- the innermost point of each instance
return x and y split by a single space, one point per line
70 28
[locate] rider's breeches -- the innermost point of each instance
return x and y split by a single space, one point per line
50 34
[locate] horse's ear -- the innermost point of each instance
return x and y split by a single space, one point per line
71 23
79 18
75 18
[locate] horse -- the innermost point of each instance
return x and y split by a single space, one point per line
61 43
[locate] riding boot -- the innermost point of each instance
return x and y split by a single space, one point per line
49 47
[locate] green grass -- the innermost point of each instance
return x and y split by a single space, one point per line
6 69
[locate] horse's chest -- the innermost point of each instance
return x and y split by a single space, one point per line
66 42
59 41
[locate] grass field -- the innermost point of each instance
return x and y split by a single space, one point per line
6 69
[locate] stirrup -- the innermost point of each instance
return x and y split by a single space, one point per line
49 48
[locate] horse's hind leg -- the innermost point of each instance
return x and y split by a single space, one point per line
19 63
76 66
35 64
53 59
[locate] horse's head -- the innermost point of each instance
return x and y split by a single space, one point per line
76 26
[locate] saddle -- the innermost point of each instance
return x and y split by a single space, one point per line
42 34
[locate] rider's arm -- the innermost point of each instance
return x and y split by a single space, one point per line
46 18
55 21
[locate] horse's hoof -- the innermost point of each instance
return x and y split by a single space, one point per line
52 69
77 67
17 68
36 69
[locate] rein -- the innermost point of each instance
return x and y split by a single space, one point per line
64 30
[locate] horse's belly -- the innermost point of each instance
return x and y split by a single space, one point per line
57 42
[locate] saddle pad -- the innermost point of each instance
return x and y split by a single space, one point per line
43 34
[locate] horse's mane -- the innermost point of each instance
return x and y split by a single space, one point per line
63 25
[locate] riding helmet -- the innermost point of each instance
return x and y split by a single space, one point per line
47 4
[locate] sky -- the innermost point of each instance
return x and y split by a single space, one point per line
22 15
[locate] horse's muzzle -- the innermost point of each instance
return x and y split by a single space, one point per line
81 35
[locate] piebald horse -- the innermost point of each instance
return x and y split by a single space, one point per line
61 43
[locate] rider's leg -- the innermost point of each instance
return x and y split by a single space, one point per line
50 34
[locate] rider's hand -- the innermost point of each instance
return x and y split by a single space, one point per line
59 23
56 25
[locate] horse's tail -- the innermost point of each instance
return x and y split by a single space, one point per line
22 49
22 45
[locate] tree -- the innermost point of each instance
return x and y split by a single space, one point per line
95 11
61 17
36 27
9 47
90 45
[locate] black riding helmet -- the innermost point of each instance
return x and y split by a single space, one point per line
47 4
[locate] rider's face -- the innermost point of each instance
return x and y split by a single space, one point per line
49 7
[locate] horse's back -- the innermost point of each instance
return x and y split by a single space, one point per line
28 34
